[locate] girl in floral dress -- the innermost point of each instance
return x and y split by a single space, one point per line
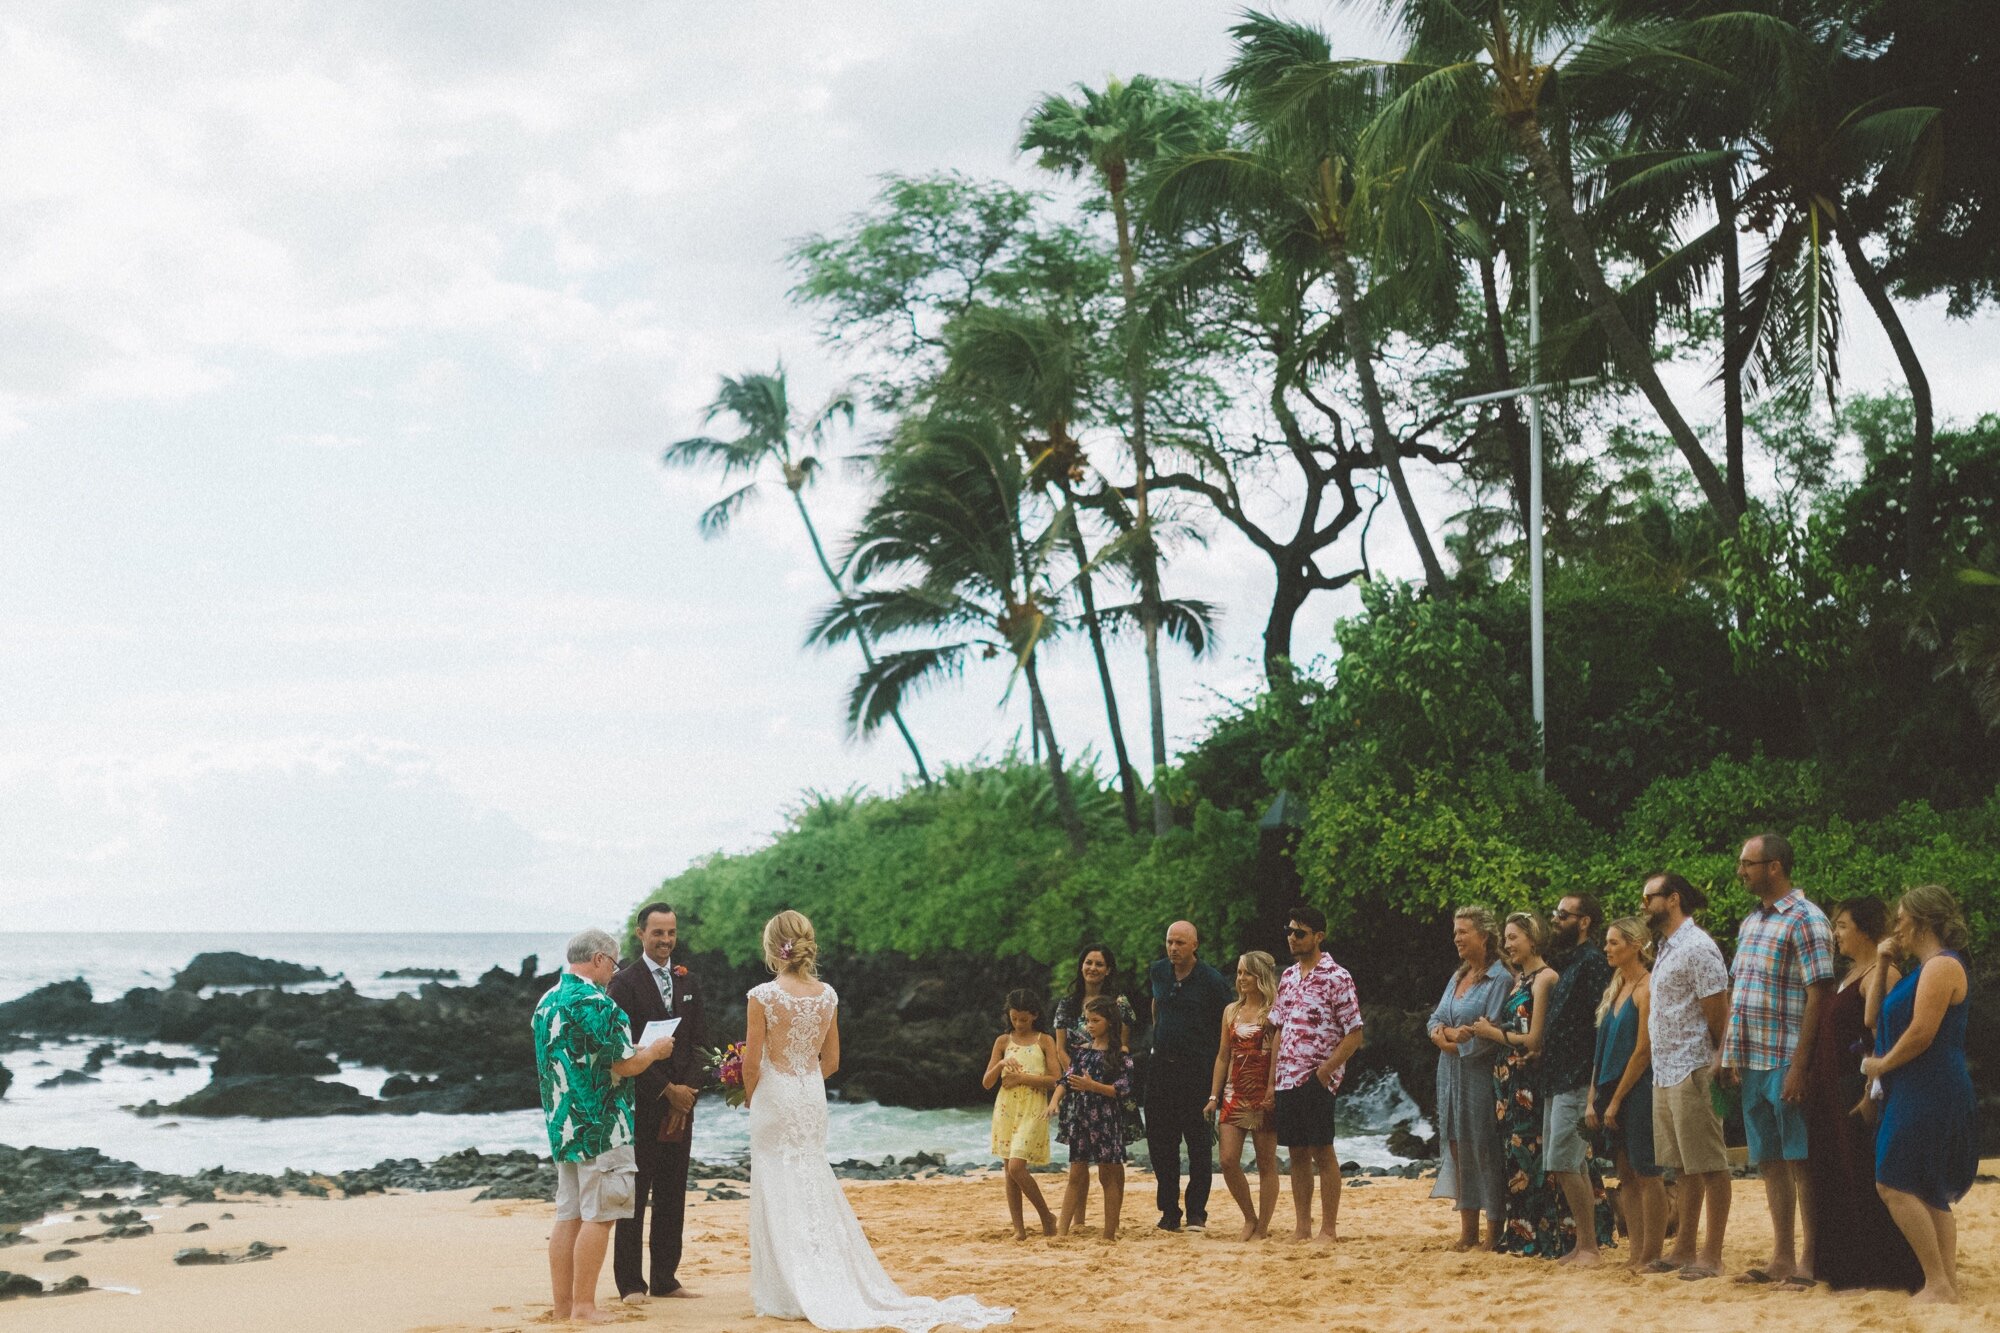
1099 1080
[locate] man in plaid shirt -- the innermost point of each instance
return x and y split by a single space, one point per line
1782 975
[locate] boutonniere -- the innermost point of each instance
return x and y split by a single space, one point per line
680 971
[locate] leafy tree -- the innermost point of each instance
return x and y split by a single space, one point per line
1300 172
929 249
761 405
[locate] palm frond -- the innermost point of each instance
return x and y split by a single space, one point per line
715 519
1184 620
738 455
882 688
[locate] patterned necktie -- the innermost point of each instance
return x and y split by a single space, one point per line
666 980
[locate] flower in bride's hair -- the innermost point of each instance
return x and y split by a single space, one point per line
786 952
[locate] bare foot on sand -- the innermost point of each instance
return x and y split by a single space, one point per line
682 1294
591 1316
1581 1259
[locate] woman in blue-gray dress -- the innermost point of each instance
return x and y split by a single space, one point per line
1927 1149
1471 1166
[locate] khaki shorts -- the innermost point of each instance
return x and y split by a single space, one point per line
1687 1133
599 1189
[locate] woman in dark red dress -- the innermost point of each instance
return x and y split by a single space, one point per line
1857 1244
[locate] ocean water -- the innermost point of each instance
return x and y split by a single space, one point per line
98 1115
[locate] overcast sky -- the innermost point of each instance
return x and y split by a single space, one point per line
340 587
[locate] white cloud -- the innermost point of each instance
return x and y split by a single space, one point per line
350 834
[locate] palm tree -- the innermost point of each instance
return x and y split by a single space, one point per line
1029 371
1475 69
1106 134
762 407
1784 92
948 542
1299 175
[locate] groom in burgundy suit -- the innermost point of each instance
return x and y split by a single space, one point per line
651 987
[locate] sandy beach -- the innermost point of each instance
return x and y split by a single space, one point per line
441 1263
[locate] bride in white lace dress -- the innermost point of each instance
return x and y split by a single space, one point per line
808 1256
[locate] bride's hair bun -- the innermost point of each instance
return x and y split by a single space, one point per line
790 946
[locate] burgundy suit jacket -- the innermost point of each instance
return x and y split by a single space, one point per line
639 996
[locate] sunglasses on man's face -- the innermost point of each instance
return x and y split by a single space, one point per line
1296 932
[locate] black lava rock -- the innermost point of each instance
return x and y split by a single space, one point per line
68 1078
228 968
269 1097
263 1050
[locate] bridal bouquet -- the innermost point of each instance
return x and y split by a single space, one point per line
725 1070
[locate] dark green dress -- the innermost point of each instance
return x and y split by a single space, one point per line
1534 1212
1538 1220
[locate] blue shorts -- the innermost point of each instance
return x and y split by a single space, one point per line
1776 1129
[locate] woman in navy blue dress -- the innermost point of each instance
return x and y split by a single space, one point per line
1927 1150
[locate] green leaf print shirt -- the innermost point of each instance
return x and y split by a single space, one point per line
580 1033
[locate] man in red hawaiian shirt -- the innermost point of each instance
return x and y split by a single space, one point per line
1318 1017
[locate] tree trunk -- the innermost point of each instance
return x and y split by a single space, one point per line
1917 516
1128 784
1290 595
1363 356
860 635
1066 811
1512 428
1632 355
1733 351
1148 564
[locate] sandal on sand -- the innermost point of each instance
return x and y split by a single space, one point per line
1697 1274
1662 1266
1754 1277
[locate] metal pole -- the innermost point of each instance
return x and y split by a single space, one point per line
1535 660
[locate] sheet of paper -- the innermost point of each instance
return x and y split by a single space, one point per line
658 1028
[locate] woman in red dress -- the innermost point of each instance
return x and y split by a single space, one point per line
1241 1091
1856 1242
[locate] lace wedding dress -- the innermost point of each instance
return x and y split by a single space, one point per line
808 1256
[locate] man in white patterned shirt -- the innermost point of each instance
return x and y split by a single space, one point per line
1690 1008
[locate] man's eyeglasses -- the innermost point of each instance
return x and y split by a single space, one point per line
1296 932
1563 914
1769 860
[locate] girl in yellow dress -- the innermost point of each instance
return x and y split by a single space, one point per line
1024 1065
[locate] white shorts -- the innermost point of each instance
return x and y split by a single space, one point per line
599 1189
